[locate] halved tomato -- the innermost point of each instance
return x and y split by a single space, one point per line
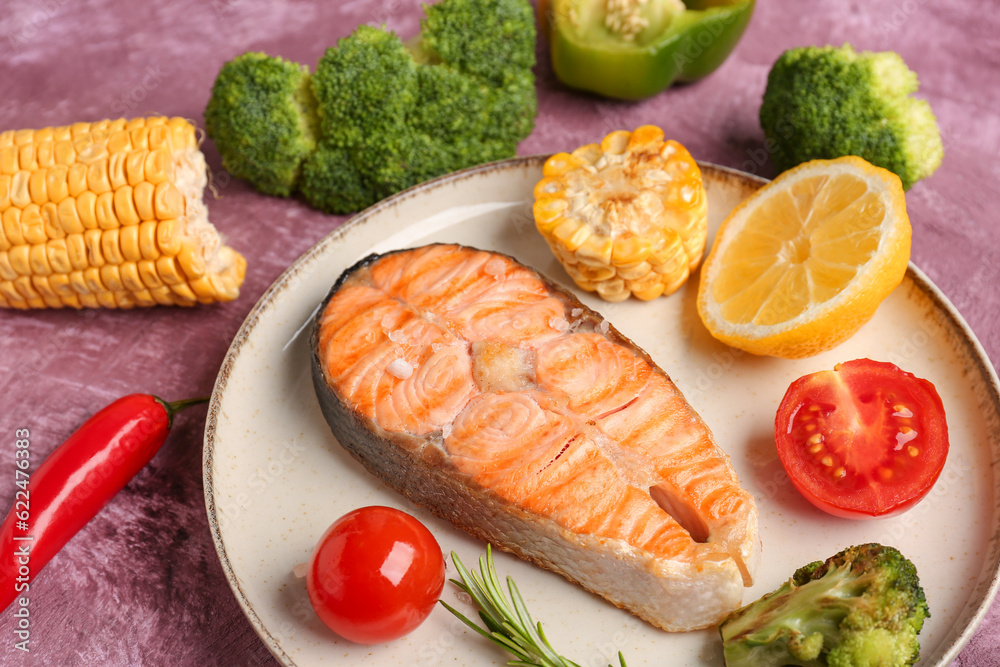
864 440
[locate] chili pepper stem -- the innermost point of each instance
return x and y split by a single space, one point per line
175 407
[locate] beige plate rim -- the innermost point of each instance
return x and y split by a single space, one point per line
976 352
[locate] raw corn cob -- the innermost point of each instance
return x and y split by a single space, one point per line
109 214
624 217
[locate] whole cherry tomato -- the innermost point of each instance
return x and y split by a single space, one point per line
375 575
864 440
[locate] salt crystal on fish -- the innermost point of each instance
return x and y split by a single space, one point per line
397 336
603 327
399 368
576 312
446 430
495 267
559 324
386 321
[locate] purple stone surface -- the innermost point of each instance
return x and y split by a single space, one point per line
141 584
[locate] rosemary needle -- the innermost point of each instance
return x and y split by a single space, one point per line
508 622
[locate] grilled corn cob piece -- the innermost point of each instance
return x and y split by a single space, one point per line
109 214
624 217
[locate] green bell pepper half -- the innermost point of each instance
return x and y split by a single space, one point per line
679 43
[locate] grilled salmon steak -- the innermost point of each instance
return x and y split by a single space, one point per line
487 394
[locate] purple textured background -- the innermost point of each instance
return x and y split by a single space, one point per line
141 584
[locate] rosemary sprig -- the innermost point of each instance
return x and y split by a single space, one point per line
508 623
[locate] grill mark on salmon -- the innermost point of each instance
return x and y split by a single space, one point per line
532 424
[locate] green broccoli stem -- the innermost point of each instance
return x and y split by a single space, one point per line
792 625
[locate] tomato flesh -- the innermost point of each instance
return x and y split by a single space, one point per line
375 575
864 440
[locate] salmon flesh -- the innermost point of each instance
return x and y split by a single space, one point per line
482 391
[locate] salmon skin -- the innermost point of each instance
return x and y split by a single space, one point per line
482 391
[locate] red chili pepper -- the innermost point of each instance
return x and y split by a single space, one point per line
76 481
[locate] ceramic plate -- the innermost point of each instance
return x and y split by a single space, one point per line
275 477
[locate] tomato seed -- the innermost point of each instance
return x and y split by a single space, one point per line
816 438
912 451
816 449
827 460
840 472
885 474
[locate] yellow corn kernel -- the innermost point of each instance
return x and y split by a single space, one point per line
588 154
111 277
20 195
125 206
5 182
71 301
58 256
76 179
130 277
148 274
45 154
203 289
69 218
629 250
22 137
27 290
142 197
116 170
36 187
41 285
168 238
162 295
92 240
78 283
76 250
559 164
571 234
139 137
59 282
104 210
128 240
106 299
89 301
32 225
27 158
50 220
549 213
119 142
110 247
56 185
182 290
147 240
168 202
92 277
19 259
169 271
8 160
9 292
191 262
97 177
11 220
6 138
86 208
65 154
7 271
143 298
134 169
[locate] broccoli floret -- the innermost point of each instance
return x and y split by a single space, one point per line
861 608
262 118
826 102
392 114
